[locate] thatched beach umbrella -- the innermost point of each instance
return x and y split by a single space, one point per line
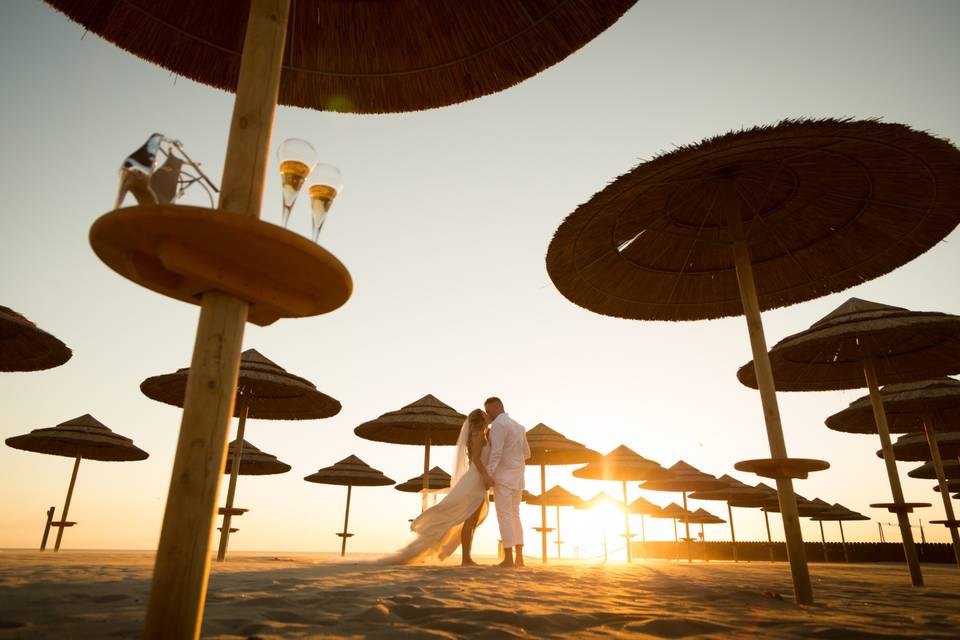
347 56
422 423
598 500
82 437
265 391
643 508
865 344
26 347
251 462
755 220
437 480
838 513
931 407
953 486
549 447
703 517
557 497
621 465
735 494
350 472
951 471
674 512
684 478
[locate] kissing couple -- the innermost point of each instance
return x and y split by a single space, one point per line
491 452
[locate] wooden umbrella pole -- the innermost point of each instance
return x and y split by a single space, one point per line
175 606
733 535
643 534
232 486
346 522
796 553
766 519
543 514
66 503
823 541
843 542
686 525
880 416
559 541
928 425
626 521
426 473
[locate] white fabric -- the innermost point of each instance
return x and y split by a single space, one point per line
508 452
461 457
438 528
507 502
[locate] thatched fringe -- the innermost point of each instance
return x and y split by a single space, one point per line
360 57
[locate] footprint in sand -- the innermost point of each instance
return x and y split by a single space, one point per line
675 627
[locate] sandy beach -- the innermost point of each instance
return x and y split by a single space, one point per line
79 594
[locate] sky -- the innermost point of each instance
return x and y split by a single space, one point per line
444 223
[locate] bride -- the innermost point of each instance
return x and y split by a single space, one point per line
452 522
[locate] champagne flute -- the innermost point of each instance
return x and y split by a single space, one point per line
297 159
326 183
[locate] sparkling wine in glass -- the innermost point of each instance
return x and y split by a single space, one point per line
326 183
297 159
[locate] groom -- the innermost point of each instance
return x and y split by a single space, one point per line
508 453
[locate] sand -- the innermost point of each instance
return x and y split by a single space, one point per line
78 594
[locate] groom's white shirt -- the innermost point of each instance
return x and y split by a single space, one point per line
508 452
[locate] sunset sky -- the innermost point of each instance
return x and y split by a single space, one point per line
444 224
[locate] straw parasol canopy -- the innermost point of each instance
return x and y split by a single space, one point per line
82 437
549 447
643 507
830 355
360 57
264 389
620 465
351 471
599 499
914 446
905 405
702 516
254 462
437 480
951 470
557 496
838 513
825 204
424 422
953 486
806 508
26 347
736 494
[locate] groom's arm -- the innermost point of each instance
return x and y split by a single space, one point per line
526 445
496 450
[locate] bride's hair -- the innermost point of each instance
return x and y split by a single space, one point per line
477 419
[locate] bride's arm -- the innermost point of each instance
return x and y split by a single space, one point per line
476 446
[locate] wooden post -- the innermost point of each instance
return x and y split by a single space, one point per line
426 473
880 416
46 529
232 485
796 553
823 541
559 541
766 519
626 521
686 524
543 515
733 535
880 527
643 534
843 541
346 522
703 539
928 424
66 504
175 605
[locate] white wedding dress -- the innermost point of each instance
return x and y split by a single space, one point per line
438 528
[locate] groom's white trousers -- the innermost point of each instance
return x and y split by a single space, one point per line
506 500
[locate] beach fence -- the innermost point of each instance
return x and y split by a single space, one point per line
748 551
